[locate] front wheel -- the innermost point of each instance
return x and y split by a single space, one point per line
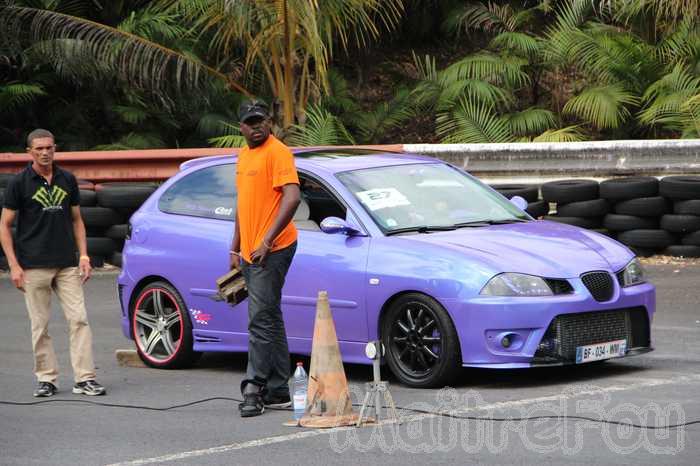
422 347
161 327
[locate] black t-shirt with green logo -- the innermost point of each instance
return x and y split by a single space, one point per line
44 236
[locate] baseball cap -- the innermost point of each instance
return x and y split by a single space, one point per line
252 108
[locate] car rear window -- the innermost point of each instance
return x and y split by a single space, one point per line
209 192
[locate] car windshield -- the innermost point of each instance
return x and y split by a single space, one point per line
427 197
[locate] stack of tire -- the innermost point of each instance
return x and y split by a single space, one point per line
106 209
684 222
577 203
531 193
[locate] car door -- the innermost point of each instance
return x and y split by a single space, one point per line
335 263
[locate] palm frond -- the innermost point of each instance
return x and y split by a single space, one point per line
568 134
519 43
472 122
134 141
321 129
605 107
15 95
490 18
665 99
387 115
231 138
530 121
489 67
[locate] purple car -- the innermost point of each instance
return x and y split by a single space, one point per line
411 250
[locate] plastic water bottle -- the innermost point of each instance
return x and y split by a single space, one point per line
300 389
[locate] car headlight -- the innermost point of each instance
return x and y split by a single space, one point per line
632 274
516 284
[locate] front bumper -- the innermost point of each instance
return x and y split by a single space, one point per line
561 322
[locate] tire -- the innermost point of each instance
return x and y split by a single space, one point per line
538 209
692 239
689 207
528 192
171 347
583 222
592 208
680 187
128 195
566 191
117 232
116 259
680 250
88 198
101 246
643 207
632 187
676 223
97 261
643 252
651 239
423 371
617 222
100 216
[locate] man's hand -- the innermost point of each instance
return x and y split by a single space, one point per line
17 276
259 255
85 268
235 260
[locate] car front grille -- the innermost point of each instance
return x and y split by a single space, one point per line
568 331
600 284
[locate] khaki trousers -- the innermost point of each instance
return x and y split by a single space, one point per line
67 284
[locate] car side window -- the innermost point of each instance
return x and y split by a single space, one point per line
322 203
209 192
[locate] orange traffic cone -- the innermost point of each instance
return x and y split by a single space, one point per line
328 401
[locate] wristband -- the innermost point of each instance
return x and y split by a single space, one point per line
84 257
268 246
235 252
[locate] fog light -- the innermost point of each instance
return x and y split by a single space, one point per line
505 341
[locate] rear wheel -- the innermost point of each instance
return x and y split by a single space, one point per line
161 327
422 347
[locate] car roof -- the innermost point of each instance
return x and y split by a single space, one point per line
333 160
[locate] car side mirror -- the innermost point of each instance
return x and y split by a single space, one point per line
519 202
333 225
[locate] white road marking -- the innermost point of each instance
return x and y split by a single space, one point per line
417 417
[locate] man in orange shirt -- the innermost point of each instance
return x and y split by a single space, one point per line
263 245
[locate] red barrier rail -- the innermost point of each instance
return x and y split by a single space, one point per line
129 165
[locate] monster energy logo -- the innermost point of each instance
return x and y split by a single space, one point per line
50 199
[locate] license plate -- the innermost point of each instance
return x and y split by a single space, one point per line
610 349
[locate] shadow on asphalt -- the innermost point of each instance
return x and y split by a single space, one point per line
468 377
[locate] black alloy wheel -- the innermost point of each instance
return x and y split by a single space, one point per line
161 327
422 347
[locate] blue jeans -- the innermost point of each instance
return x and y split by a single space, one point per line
268 351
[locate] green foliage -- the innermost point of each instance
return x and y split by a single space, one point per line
604 107
320 129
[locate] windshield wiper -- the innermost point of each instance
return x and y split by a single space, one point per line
421 229
486 222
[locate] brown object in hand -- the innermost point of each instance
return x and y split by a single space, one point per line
232 288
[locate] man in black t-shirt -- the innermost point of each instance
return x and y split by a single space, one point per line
45 199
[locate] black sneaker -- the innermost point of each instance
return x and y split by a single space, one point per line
277 401
45 389
89 387
252 405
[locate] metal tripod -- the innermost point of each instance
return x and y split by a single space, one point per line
376 390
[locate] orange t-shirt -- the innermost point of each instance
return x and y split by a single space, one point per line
260 175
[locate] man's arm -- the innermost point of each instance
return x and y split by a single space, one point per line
291 196
234 254
16 271
81 242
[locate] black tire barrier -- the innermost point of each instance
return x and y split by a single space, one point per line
130 195
94 231
643 207
643 252
646 238
676 223
566 191
693 239
682 250
620 189
97 261
689 207
100 216
117 232
528 192
604 231
88 198
592 208
101 246
125 212
3 263
116 259
680 187
538 209
617 222
583 222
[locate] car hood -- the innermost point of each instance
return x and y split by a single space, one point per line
541 248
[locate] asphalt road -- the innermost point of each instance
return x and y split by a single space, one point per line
659 388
